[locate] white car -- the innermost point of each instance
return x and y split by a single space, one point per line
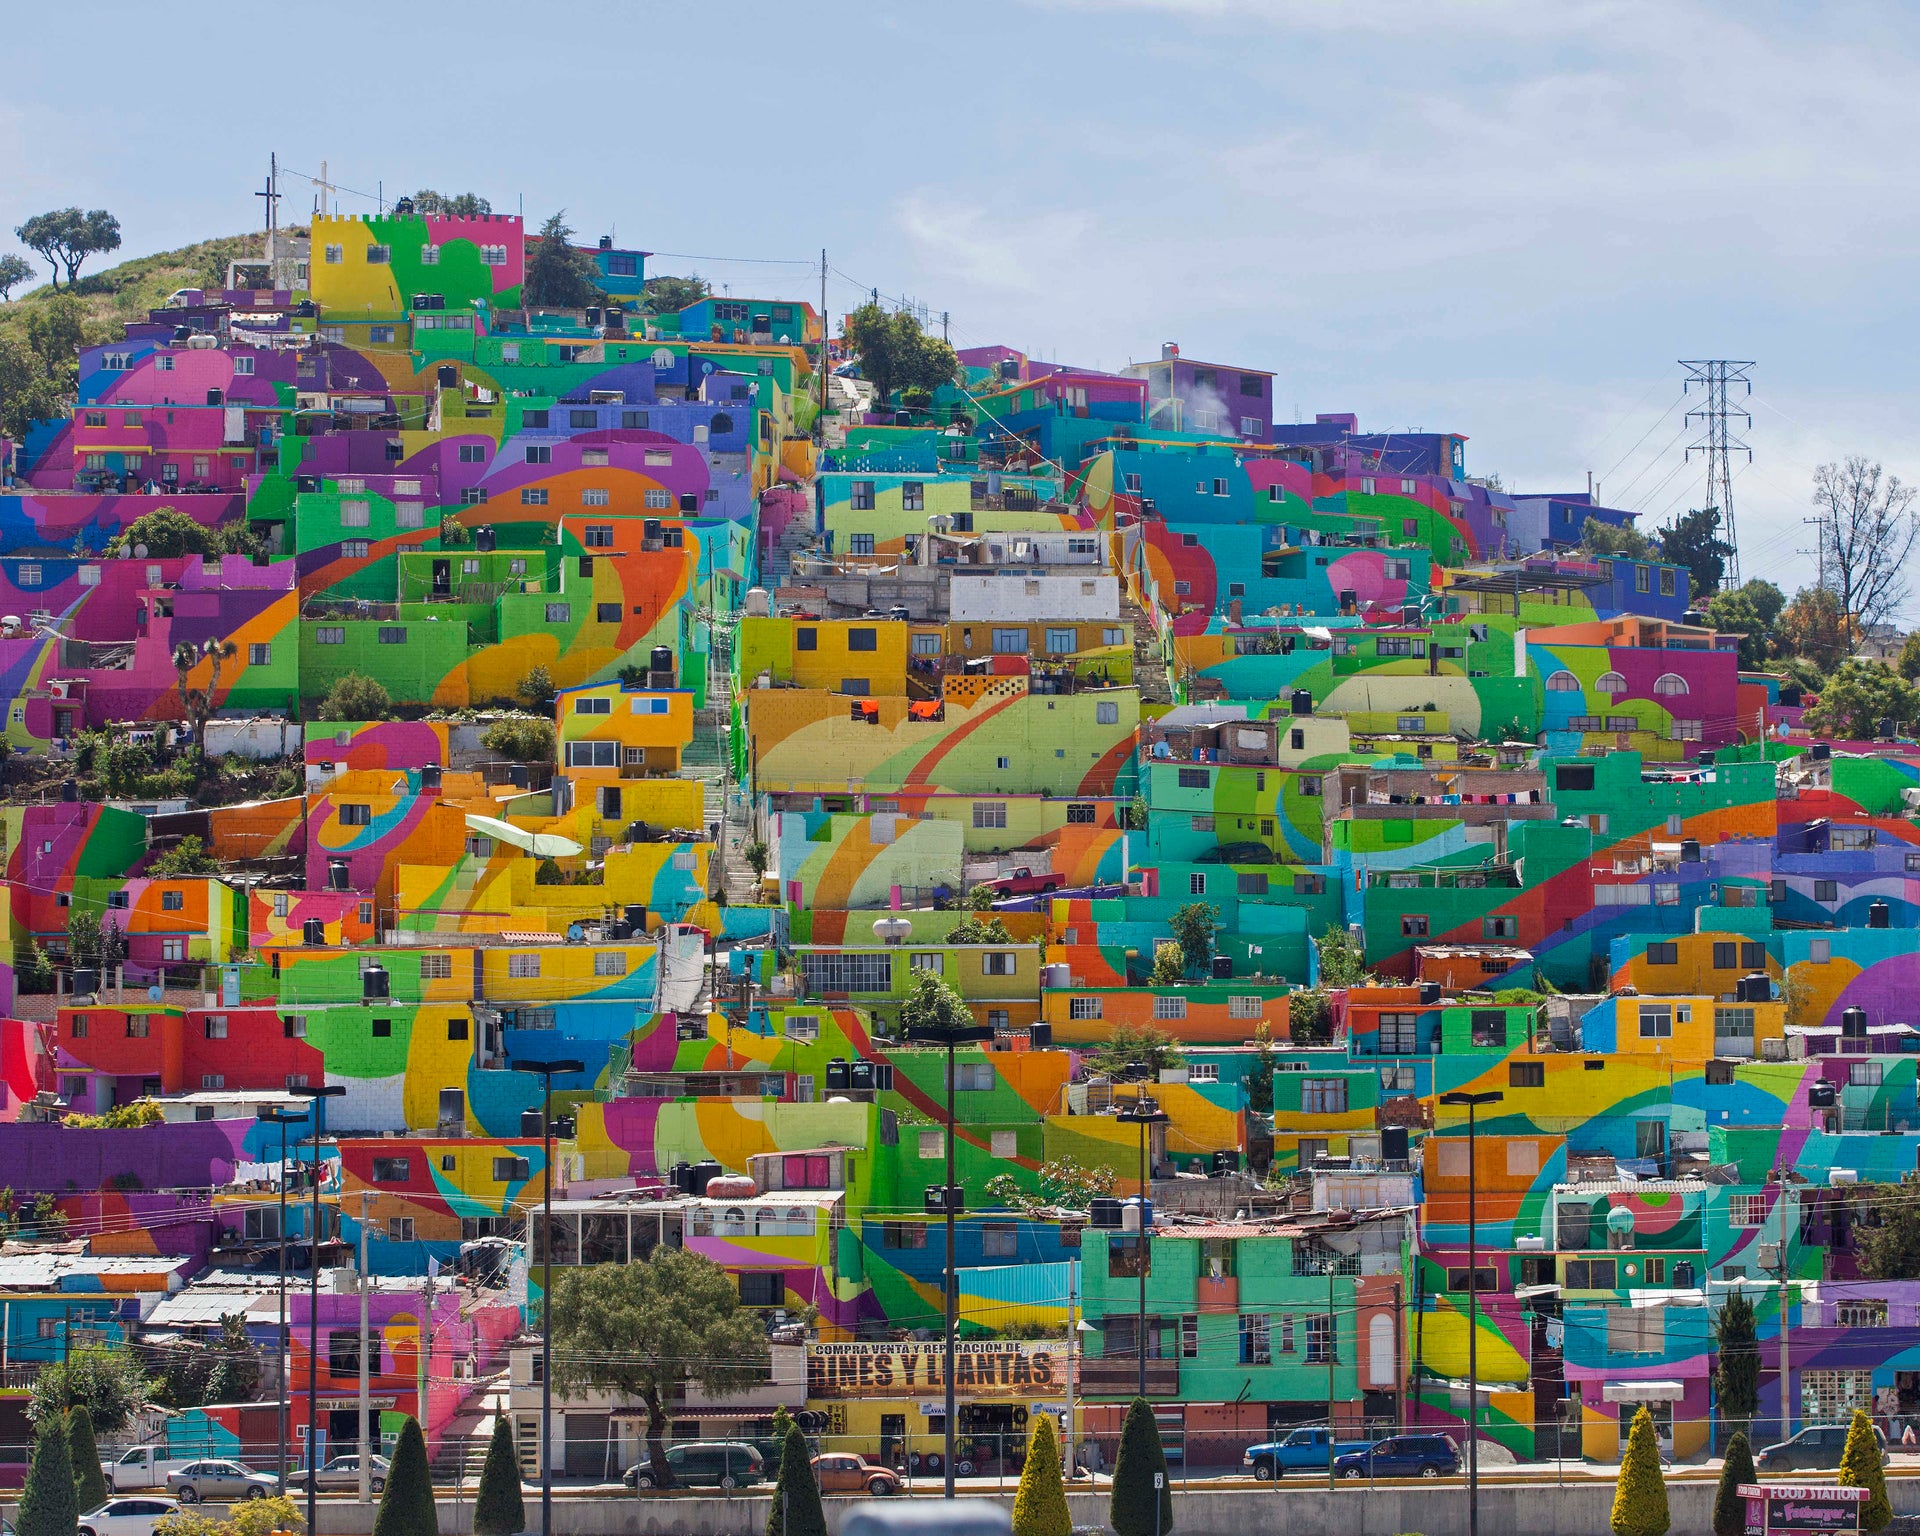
129 1515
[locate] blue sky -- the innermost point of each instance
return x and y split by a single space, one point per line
1502 217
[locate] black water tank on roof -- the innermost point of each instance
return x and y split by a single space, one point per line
1689 850
1040 1036
704 1174
1879 915
1429 992
1103 1211
1302 703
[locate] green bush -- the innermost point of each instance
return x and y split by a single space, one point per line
406 1505
355 698
47 1502
1640 1498
1040 1507
498 1509
1729 1509
523 738
1131 1510
796 1495
1860 1468
89 1482
189 856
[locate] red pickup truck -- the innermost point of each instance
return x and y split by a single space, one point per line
1024 882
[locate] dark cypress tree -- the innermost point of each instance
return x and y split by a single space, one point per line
406 1507
796 1496
1131 1511
47 1506
89 1482
1729 1509
498 1509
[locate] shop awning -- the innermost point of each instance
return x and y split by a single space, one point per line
1642 1391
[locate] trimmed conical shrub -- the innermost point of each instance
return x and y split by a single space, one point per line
47 1506
1729 1509
1640 1501
1860 1468
498 1509
1040 1507
796 1496
406 1507
89 1482
1131 1512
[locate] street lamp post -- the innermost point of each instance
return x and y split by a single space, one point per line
892 931
546 1071
1473 1101
1143 1112
316 1093
282 1119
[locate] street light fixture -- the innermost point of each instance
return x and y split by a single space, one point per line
283 1119
546 1071
950 1201
1473 1101
1143 1112
316 1092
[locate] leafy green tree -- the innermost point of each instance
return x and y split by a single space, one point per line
498 1509
235 1376
1816 626
558 276
1858 697
1729 1509
1343 963
355 698
758 857
1131 1509
981 898
536 690
1604 539
1260 1079
973 930
89 1482
1640 1497
796 1507
1136 1050
1169 966
167 534
464 205
1750 611
1860 1467
669 295
1907 663
66 237
48 1505
39 363
1736 1380
189 856
1040 1507
32 970
1194 925
523 739
14 270
1064 1182
896 354
105 1383
932 1007
645 1331
406 1504
1693 540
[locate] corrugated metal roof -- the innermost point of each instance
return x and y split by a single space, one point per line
195 1307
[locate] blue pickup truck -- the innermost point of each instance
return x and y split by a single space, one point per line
1301 1450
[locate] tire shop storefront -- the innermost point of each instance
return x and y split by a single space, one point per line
888 1401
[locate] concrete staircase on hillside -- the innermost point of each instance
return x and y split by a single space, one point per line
1149 668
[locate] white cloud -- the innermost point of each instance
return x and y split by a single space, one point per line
967 242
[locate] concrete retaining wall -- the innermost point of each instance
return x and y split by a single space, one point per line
1533 1509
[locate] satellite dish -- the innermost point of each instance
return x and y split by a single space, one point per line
706 367
139 551
156 993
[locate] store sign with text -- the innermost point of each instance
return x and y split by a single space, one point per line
1784 1509
909 1369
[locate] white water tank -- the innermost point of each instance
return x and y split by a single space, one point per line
757 603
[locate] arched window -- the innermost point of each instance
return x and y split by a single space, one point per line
1380 1351
1670 683
722 423
1563 682
1611 682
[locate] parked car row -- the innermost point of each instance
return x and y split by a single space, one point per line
738 1464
